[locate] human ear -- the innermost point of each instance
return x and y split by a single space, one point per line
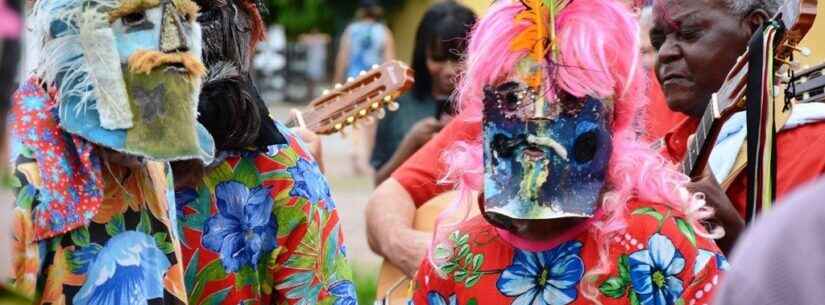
755 19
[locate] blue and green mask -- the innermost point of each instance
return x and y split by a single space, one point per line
543 160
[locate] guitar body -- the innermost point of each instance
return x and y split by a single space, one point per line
390 278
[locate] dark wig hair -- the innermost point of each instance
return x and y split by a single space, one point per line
443 33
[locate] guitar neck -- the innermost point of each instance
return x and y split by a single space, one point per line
722 105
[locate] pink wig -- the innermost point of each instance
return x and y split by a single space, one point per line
598 56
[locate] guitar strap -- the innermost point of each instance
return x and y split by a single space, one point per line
761 147
783 113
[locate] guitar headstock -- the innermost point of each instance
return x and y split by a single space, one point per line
359 98
796 18
808 85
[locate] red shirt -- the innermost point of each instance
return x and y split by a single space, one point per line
420 174
798 158
657 259
660 119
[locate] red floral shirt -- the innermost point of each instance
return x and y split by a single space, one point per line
658 260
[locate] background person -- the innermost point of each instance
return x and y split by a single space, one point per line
365 42
440 43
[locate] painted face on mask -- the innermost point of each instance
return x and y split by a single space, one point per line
128 74
543 160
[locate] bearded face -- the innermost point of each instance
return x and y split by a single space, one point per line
128 74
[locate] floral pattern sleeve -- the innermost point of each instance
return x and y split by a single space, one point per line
262 228
663 260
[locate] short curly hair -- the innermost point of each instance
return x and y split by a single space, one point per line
743 7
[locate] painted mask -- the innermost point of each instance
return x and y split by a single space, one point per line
128 74
543 160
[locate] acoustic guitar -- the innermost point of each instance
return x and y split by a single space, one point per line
360 98
393 285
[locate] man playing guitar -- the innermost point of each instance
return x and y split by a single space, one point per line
697 43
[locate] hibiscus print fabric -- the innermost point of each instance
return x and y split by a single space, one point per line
128 253
262 228
658 260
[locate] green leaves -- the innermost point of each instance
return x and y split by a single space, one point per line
116 225
163 245
614 287
617 286
687 230
649 212
246 173
211 272
80 237
465 266
145 223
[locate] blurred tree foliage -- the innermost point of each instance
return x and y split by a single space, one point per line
328 16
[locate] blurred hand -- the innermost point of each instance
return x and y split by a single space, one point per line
726 214
313 142
421 133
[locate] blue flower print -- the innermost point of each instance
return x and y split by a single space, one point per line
703 258
544 278
654 272
309 183
435 298
244 229
128 270
344 292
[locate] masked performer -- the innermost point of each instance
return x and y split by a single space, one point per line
115 86
575 210
259 225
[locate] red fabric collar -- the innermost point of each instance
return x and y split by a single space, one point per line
676 138
70 190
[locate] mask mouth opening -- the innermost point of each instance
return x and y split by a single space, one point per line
177 68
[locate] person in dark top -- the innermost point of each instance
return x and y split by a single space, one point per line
439 44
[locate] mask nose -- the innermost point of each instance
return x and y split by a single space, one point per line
540 110
172 37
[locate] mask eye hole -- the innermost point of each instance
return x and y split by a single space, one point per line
584 150
133 19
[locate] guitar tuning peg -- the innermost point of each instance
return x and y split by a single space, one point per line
339 126
362 113
325 92
362 73
350 120
792 64
380 114
801 50
375 105
393 106
375 66
350 79
338 86
388 98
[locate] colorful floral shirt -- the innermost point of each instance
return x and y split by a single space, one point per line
128 254
659 260
262 229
